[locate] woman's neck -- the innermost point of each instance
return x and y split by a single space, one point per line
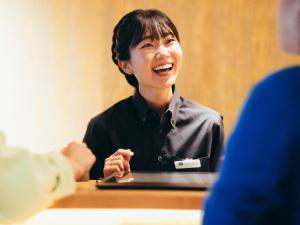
158 100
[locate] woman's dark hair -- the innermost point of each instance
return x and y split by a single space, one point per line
131 29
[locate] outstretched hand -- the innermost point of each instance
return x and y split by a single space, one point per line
81 159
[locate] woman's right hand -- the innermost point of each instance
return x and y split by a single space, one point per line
118 163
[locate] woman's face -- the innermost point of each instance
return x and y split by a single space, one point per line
155 63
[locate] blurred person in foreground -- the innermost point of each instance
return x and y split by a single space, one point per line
260 178
30 182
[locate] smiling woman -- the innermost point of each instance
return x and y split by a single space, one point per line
154 128
56 70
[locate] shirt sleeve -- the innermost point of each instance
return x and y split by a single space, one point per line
217 145
97 139
253 184
30 182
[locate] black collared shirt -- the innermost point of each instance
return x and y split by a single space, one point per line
187 130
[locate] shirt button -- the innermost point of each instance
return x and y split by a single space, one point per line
159 158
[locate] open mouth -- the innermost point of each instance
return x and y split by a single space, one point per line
163 68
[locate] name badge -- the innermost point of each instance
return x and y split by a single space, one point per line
187 164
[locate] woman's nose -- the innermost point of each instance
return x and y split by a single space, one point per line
162 51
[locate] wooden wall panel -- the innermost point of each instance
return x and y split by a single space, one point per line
62 49
228 46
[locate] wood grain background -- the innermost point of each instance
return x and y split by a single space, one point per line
228 46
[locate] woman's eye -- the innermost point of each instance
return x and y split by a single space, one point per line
147 45
170 40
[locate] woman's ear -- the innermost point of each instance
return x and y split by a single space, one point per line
125 66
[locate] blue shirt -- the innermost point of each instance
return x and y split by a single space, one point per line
260 179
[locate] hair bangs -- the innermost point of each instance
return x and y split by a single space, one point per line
153 28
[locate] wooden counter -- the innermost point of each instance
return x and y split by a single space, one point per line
88 196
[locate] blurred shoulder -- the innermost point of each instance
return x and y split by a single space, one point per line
288 77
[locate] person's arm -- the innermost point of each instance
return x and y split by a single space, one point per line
217 145
98 140
253 182
30 182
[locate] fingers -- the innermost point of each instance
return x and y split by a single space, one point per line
110 170
115 161
118 163
114 165
126 153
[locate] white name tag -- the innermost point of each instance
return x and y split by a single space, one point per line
187 164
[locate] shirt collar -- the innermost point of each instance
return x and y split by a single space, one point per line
142 107
174 106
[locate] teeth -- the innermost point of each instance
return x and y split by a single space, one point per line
163 67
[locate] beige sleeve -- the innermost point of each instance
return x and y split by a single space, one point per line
31 182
